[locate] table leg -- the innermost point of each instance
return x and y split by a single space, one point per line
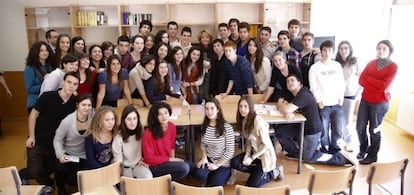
302 130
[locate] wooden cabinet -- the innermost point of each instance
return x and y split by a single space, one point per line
82 20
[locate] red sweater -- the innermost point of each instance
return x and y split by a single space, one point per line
376 82
85 87
158 151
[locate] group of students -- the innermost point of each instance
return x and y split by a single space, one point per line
156 68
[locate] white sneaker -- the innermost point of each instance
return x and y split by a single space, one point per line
278 173
232 178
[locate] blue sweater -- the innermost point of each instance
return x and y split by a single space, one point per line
33 82
241 74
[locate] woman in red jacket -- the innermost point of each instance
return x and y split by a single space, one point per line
375 79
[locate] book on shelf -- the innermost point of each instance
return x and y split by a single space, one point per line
129 18
92 18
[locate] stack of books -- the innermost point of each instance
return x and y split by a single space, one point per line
134 19
92 18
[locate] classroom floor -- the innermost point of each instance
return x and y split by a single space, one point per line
396 144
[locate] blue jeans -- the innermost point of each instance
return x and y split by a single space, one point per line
177 169
257 177
372 114
288 136
217 177
332 118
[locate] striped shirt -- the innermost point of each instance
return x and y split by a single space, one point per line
218 147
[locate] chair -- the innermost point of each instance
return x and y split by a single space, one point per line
10 183
181 189
228 99
380 173
101 180
279 190
121 103
154 186
332 181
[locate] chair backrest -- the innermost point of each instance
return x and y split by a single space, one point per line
331 181
380 173
9 180
257 98
279 190
96 179
154 186
181 189
228 99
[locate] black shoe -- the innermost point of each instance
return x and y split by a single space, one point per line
361 155
181 140
292 156
47 190
368 160
62 191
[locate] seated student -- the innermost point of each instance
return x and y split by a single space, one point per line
112 83
69 143
261 67
136 54
220 82
193 75
158 144
127 146
158 87
217 146
175 69
305 103
292 56
87 76
277 88
53 81
239 71
98 140
141 72
309 57
244 35
259 160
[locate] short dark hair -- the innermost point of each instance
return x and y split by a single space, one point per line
293 22
172 23
123 38
218 41
266 28
145 22
234 20
283 32
186 29
327 44
244 25
71 73
69 58
223 25
308 34
49 32
298 77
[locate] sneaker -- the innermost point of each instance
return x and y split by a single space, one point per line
361 155
181 140
232 178
178 145
368 160
47 190
278 173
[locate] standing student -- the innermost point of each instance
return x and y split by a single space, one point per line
141 72
175 69
193 75
264 37
376 79
308 57
351 72
149 45
220 82
244 36
127 145
53 81
239 71
162 53
62 48
77 45
217 146
172 29
136 54
39 63
289 135
277 88
185 42
98 140
162 37
112 84
326 80
87 76
145 27
107 50
261 67
50 109
292 56
51 38
96 59
123 47
294 34
158 144
223 32
259 160
69 143
234 29
205 38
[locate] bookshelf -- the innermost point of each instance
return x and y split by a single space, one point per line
79 20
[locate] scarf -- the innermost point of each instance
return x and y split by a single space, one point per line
383 62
